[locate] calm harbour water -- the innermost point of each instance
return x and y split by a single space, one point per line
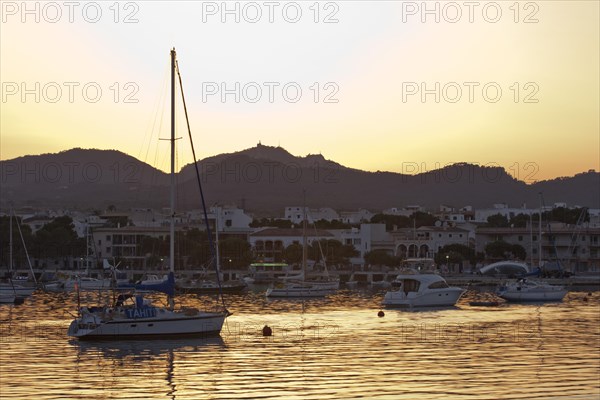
324 348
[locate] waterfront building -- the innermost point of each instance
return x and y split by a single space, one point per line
576 246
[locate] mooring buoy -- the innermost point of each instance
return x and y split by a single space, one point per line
267 331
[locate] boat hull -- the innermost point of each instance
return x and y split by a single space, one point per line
523 296
446 297
167 326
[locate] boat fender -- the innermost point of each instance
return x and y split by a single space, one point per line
381 314
267 331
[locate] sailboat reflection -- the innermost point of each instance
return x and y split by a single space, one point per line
152 359
140 350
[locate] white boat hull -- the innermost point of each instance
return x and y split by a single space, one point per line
525 290
445 297
524 296
165 324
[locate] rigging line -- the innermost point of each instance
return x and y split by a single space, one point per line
25 248
321 250
208 232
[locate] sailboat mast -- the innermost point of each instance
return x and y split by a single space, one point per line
540 233
10 241
304 234
172 202
217 216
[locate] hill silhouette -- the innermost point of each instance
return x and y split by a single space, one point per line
265 179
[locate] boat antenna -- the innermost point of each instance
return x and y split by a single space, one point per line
208 231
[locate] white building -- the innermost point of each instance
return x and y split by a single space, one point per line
227 218
404 211
482 215
367 238
426 241
296 214
268 244
356 217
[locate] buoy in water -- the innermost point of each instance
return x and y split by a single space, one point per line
380 314
267 331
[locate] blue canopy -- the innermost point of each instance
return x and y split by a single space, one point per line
167 287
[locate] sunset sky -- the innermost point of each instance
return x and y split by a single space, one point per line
373 57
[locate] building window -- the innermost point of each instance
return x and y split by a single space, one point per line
460 235
449 235
439 235
99 242
108 238
108 250
228 223
520 238
534 238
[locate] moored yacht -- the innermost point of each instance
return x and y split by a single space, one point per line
414 289
140 318
523 290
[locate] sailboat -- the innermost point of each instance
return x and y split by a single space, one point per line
206 284
525 290
300 286
10 291
133 316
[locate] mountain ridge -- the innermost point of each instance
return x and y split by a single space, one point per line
264 179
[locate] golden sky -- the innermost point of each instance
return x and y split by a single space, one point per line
504 83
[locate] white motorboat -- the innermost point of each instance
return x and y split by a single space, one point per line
524 290
414 289
133 316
